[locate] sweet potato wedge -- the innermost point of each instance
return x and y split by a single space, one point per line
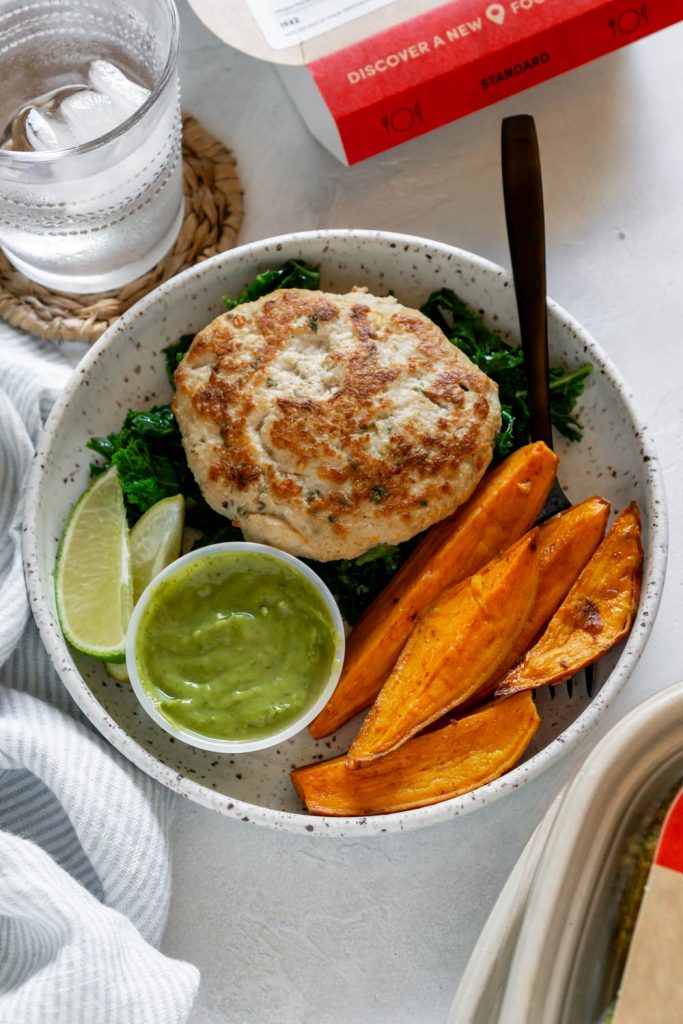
457 645
595 615
456 758
504 506
565 544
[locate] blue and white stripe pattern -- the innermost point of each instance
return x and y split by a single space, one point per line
84 865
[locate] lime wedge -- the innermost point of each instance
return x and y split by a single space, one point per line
117 671
155 540
93 580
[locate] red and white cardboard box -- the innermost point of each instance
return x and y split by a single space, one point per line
368 74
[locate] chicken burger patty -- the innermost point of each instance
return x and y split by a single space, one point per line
325 424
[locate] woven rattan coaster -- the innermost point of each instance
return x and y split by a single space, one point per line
213 214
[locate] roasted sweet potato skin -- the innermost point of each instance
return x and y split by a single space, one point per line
565 544
504 506
456 646
456 758
596 614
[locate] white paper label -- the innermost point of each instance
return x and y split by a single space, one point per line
289 22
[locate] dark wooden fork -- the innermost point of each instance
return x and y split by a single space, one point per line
523 194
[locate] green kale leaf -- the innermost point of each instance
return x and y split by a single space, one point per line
148 455
505 365
356 582
150 460
174 354
292 274
566 387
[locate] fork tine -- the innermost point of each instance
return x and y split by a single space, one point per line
588 673
570 687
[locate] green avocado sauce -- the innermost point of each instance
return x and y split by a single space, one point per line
235 646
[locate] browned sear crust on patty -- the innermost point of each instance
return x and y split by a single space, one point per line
325 424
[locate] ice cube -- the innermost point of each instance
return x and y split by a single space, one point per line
46 131
125 94
86 113
89 114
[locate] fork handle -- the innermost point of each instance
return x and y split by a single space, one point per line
523 194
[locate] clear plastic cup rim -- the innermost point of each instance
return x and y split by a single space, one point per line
231 746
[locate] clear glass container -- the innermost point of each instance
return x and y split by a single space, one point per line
566 967
94 216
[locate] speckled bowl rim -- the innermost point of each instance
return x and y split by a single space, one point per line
569 739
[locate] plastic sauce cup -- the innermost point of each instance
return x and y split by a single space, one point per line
217 744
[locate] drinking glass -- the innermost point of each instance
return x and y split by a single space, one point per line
93 216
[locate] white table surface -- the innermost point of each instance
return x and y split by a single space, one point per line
378 930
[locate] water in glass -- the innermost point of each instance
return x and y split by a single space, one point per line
90 170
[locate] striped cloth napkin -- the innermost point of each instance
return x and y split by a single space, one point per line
84 861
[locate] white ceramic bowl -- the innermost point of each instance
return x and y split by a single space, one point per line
217 745
125 370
